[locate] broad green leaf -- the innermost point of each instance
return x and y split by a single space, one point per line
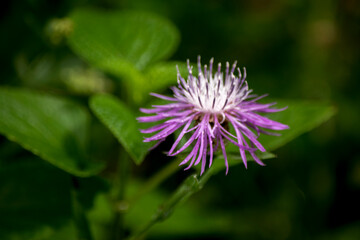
300 116
219 164
117 41
53 128
163 75
122 123
123 43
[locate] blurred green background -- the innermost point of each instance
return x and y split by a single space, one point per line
291 49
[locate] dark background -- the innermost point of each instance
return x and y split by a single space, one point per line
291 49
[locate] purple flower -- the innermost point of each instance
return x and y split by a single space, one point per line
204 108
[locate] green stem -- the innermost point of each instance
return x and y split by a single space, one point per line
121 205
81 222
140 234
155 180
190 186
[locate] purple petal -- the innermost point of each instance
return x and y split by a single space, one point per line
163 97
257 160
151 118
250 135
203 161
164 133
182 133
191 139
149 111
224 153
202 146
195 150
191 154
211 150
157 144
154 128
240 141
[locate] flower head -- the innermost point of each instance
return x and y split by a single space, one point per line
204 108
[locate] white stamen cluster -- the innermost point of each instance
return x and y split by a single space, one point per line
213 93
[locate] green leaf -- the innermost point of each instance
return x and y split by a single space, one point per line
122 123
301 117
117 41
53 128
123 43
233 160
162 75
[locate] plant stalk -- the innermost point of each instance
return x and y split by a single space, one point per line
155 180
121 205
191 185
81 221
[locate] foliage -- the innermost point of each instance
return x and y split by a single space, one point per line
52 185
